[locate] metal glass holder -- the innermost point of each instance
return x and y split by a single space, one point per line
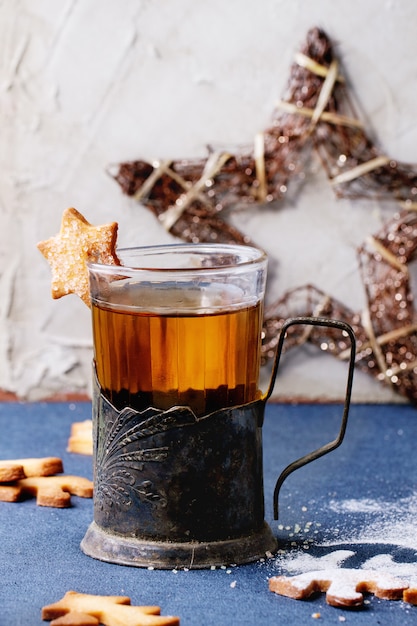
175 490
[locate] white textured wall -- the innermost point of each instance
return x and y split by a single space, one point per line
92 82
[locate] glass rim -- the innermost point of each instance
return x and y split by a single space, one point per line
248 256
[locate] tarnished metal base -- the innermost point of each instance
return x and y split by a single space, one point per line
169 555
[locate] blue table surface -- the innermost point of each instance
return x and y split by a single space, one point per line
360 499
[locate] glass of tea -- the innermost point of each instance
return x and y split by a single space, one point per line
177 409
179 325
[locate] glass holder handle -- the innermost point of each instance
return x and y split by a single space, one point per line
332 445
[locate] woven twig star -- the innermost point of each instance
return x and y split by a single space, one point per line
386 330
191 198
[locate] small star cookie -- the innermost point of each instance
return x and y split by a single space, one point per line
78 609
41 477
69 251
344 587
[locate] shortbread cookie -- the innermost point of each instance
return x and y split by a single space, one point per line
410 595
23 468
69 251
54 491
344 587
81 438
75 608
10 470
76 619
10 492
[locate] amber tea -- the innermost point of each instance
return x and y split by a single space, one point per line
179 325
187 354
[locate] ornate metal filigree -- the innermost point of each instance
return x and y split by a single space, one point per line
125 450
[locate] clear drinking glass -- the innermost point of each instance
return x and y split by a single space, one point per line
179 325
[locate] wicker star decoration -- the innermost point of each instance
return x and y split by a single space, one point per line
191 199
386 330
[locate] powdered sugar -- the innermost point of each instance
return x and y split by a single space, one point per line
387 563
296 562
343 587
388 522
387 525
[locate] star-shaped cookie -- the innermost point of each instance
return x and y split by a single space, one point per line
69 251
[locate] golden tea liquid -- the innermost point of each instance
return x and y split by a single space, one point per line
172 356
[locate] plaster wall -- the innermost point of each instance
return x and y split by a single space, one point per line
84 84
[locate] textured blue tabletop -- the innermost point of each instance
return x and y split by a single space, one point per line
356 507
